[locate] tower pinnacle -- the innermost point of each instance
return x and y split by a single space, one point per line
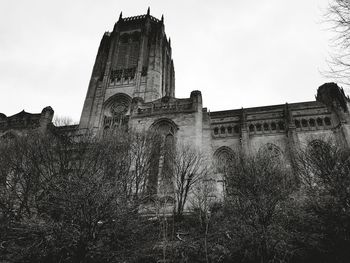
148 11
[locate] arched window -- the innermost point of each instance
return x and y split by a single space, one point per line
251 128
229 130
273 126
162 155
258 127
222 130
327 121
223 158
281 125
312 122
115 111
319 122
216 131
124 38
266 127
135 36
304 123
271 149
318 147
297 123
236 129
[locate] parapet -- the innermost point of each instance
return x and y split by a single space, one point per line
25 121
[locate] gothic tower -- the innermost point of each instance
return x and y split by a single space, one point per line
133 61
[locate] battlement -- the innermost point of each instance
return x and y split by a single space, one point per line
140 17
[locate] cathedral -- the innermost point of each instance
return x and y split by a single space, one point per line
133 84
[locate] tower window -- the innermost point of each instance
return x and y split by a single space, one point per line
297 123
236 128
229 129
319 122
251 128
124 38
222 130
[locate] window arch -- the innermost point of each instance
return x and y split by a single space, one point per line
327 121
222 158
222 130
124 38
258 127
273 126
165 126
116 110
162 155
271 149
281 125
317 147
304 123
312 122
266 126
216 131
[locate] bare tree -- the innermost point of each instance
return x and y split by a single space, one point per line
338 16
189 167
258 189
63 121
67 198
324 169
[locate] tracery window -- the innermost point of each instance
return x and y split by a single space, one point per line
223 157
271 149
161 164
115 111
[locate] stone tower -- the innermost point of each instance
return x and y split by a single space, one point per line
133 61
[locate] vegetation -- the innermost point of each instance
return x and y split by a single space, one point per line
338 16
90 200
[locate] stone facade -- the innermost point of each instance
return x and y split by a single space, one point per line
133 84
145 97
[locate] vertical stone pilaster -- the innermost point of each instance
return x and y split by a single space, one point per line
244 136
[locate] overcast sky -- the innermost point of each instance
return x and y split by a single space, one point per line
239 53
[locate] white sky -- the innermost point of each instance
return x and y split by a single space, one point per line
239 53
